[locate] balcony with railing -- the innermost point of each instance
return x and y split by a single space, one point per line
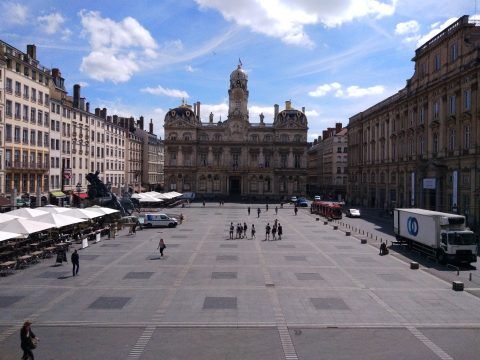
26 165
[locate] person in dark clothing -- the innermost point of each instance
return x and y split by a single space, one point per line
231 230
258 212
248 211
253 231
267 232
296 210
26 336
383 249
245 228
276 210
279 231
161 246
75 263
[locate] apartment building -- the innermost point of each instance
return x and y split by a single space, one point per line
2 129
26 124
327 159
134 155
420 147
152 166
115 139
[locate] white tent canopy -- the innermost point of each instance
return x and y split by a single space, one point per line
24 226
59 220
82 213
27 213
102 210
53 209
7 217
4 235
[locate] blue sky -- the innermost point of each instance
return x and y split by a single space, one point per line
335 58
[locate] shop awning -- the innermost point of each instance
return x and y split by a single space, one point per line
58 194
81 195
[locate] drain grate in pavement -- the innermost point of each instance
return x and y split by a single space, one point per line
110 245
88 257
224 275
111 303
329 304
7 301
138 275
220 303
230 246
227 257
286 246
295 258
393 277
308 276
51 275
344 247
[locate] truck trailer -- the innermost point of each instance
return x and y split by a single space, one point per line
442 235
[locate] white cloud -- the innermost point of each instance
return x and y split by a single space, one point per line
287 19
407 27
51 23
352 91
436 28
220 111
13 13
159 90
190 68
324 89
118 49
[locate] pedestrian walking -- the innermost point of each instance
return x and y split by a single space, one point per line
248 211
239 230
28 340
266 207
267 232
161 246
276 210
280 231
181 218
203 203
296 210
274 232
134 227
75 263
245 228
231 230
258 212
253 231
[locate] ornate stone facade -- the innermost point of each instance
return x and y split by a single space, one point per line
236 158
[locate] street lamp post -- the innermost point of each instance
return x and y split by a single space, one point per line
78 188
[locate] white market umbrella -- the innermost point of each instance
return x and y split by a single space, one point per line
27 213
149 199
82 213
4 235
24 226
136 196
176 194
102 210
59 220
8 217
53 209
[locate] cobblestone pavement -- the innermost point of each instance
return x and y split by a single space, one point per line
316 294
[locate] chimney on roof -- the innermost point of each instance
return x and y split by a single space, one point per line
140 123
103 113
115 119
325 134
288 105
303 109
198 110
32 51
150 126
97 112
76 96
131 124
88 107
338 127
275 111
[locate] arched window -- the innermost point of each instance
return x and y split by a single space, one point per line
217 137
284 138
267 138
216 183
173 183
186 183
172 136
202 184
254 184
204 137
187 137
254 138
297 138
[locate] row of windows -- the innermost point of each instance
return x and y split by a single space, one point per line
452 54
253 138
28 93
26 136
27 71
26 183
28 114
26 158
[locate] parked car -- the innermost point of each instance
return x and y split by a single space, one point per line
293 199
302 203
159 219
317 198
352 213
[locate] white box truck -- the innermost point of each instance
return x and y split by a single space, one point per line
438 234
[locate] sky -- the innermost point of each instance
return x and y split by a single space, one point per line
144 57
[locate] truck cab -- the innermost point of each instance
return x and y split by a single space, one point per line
458 245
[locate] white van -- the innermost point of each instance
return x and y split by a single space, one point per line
158 219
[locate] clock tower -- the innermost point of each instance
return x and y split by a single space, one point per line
238 95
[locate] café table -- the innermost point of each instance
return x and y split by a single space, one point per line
24 261
36 255
7 267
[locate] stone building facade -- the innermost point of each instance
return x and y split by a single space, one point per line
420 147
236 158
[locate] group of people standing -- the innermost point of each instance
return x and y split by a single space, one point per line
241 231
276 229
